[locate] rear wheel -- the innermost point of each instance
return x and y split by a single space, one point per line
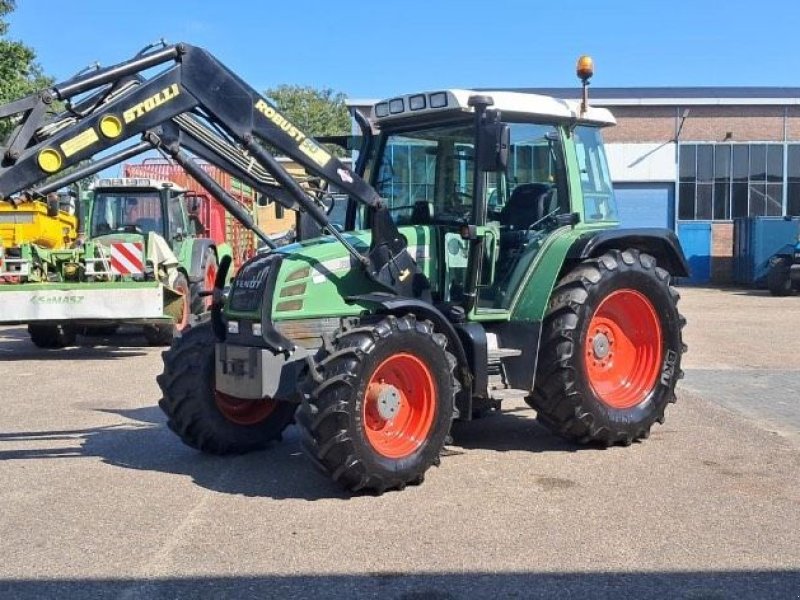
778 280
55 336
205 418
381 403
611 350
162 335
100 330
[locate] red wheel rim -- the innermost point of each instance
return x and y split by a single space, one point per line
211 277
399 406
241 411
623 349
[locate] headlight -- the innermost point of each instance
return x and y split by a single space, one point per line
233 327
257 331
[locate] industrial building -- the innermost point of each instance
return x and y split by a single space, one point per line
699 161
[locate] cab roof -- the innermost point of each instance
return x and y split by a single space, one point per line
396 110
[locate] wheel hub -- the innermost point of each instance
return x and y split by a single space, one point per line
386 400
601 345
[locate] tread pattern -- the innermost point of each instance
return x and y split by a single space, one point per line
187 386
557 397
324 417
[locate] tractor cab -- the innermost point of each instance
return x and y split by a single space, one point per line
486 179
130 209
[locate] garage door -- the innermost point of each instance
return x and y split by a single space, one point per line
645 204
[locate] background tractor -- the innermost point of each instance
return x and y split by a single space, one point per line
140 260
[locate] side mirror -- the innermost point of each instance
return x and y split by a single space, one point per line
494 141
193 204
262 200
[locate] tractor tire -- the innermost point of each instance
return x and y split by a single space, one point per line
778 280
99 330
52 337
366 433
611 350
200 304
206 419
162 335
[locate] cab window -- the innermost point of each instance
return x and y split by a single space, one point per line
598 193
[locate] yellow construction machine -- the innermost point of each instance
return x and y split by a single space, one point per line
52 225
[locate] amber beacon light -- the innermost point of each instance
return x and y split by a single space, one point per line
585 70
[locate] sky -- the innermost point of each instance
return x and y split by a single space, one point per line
376 49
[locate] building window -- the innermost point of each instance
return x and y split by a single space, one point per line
793 180
720 182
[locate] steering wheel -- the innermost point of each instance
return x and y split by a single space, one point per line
462 195
545 220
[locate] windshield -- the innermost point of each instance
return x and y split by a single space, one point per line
427 175
126 212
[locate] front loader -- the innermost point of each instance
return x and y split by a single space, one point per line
481 260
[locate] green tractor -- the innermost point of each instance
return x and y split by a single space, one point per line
517 282
140 260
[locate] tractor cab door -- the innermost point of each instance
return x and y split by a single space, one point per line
522 209
426 177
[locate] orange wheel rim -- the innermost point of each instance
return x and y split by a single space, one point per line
399 406
623 349
241 411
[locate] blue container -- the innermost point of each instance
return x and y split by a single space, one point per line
695 238
755 240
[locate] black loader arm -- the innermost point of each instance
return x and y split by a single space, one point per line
192 81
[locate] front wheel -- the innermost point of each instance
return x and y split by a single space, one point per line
611 350
52 337
381 403
205 418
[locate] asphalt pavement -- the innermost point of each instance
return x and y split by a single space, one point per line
99 499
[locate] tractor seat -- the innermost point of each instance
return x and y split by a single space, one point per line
421 213
528 203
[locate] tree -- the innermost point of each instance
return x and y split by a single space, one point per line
315 111
20 74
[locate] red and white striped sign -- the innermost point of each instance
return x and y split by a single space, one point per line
127 258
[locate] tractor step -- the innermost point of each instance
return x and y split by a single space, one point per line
495 352
508 394
499 353
499 391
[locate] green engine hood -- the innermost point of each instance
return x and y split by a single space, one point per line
317 275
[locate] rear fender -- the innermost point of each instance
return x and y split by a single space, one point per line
662 244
